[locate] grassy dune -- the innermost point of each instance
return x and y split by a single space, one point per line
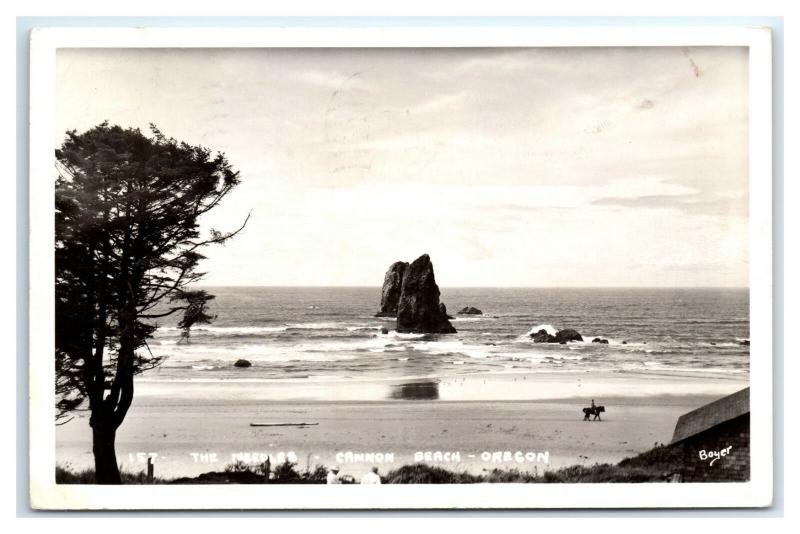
651 466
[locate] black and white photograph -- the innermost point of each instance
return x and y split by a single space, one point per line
526 266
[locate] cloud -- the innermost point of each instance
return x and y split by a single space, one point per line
447 102
335 81
469 154
694 204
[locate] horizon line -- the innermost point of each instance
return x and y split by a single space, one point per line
469 287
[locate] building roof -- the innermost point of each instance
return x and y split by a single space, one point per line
712 414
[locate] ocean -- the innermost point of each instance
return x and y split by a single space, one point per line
321 334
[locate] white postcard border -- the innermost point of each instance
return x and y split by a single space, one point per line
45 494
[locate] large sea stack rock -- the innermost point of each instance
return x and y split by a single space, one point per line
443 309
392 286
418 310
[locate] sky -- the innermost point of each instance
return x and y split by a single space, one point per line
528 167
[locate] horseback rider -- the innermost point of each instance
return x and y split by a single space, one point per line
592 410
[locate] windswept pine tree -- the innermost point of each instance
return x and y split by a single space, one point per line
127 249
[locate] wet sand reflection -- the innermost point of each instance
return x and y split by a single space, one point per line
415 391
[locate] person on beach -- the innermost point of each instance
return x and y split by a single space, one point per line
592 410
372 477
333 475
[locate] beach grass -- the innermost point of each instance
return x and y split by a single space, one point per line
651 466
66 475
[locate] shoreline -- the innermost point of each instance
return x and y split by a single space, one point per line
208 419
468 387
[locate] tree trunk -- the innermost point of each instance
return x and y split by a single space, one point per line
106 470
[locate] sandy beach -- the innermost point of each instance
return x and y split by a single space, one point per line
533 422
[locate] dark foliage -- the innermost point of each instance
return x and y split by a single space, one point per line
64 475
426 474
223 477
195 311
243 473
651 466
127 240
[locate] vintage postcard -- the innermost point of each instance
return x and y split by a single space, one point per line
434 268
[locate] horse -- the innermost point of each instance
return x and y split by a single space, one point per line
596 411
